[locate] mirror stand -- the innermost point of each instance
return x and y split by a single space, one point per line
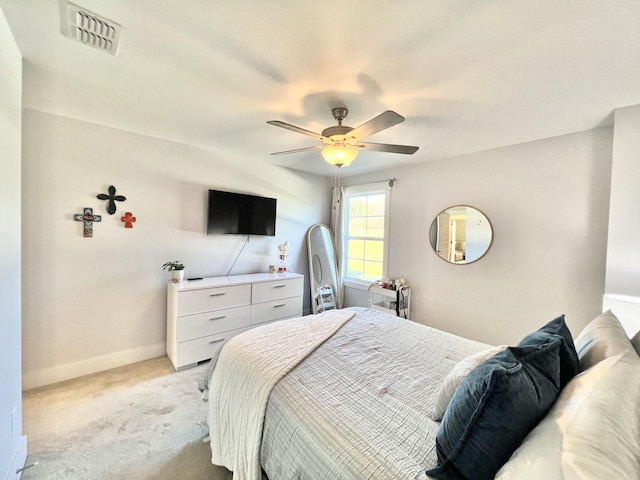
323 269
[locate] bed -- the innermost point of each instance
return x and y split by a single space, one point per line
360 394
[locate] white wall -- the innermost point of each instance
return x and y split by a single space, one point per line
622 289
623 257
13 446
96 303
548 204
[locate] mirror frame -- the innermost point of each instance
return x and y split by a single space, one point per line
433 223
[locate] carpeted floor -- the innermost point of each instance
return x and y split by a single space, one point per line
142 421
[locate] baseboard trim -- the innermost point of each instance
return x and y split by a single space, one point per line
19 460
67 371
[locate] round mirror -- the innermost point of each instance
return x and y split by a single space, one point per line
461 234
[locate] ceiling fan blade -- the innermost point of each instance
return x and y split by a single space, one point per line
305 149
388 147
384 120
293 128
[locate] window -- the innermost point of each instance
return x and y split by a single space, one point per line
365 232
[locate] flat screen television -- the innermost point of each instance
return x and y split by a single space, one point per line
240 214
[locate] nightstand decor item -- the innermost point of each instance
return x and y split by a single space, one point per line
176 267
283 253
128 220
111 198
391 296
87 217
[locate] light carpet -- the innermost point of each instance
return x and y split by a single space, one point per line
142 421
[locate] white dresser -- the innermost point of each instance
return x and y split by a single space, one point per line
203 314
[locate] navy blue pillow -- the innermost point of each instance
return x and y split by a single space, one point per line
494 409
557 328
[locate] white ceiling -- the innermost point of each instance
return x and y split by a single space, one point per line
468 76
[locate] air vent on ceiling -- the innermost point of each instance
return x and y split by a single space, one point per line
89 28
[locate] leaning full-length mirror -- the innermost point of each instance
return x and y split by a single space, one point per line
461 234
323 269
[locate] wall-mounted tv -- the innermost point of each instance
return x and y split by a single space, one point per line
240 214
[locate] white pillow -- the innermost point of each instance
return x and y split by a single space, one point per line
635 341
591 431
603 337
455 377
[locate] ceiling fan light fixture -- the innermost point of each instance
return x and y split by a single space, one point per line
340 144
340 155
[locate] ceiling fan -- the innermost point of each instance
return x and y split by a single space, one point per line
340 144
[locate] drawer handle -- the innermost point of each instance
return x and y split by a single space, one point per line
279 305
217 294
217 341
218 318
279 286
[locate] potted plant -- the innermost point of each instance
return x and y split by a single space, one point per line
176 267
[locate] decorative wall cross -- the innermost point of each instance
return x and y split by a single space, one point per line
128 220
112 199
88 218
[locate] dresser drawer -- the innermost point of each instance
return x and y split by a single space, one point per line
202 315
267 291
204 348
275 310
209 323
208 299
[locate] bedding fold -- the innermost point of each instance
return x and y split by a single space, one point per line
248 368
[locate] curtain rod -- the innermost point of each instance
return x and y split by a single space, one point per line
390 180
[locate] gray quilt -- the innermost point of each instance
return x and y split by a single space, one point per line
359 406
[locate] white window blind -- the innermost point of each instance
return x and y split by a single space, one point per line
365 232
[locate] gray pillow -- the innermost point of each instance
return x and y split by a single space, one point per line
602 338
635 341
455 377
591 431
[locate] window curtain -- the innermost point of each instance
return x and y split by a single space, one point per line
336 227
